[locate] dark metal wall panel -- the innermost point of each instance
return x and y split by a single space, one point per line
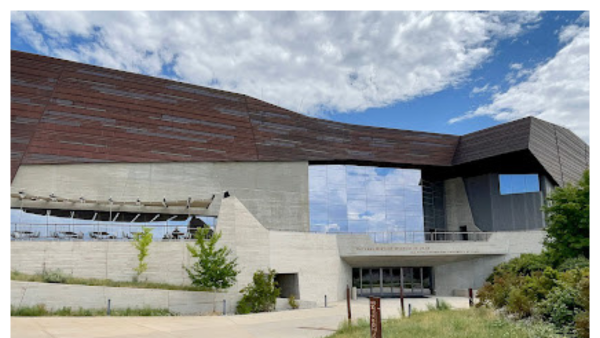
495 212
503 139
480 200
282 134
564 155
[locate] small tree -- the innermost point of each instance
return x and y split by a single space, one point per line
141 241
260 295
213 267
568 219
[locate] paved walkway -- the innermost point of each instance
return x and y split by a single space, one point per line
307 323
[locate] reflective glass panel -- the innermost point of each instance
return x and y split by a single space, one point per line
519 184
385 202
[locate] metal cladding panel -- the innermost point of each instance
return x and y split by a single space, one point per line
67 112
490 142
285 135
564 155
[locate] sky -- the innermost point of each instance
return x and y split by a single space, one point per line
445 72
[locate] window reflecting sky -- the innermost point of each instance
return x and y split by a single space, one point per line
48 224
365 199
519 184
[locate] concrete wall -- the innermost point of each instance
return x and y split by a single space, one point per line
105 260
316 260
496 212
275 192
472 273
458 209
56 296
314 257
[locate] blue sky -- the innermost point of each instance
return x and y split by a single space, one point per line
446 72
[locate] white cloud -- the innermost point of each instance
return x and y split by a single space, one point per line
516 66
305 61
485 89
557 91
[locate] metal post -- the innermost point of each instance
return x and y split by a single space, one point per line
409 309
108 308
402 295
348 303
224 307
325 300
437 303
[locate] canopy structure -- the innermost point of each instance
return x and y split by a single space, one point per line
106 209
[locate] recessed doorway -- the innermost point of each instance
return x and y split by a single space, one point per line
385 282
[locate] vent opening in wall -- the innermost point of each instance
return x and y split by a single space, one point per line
288 284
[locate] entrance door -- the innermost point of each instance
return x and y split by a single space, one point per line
385 282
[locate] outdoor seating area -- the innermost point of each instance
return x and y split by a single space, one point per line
78 233
24 234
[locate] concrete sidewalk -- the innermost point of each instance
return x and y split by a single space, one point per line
307 323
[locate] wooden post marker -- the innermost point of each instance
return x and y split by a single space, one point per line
375 311
348 303
470 297
402 299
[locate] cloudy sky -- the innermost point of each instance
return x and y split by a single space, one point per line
449 72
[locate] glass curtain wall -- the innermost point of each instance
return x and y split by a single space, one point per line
384 202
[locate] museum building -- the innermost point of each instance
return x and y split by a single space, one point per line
97 153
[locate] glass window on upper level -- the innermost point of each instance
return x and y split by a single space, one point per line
519 184
358 199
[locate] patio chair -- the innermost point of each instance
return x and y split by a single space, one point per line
80 235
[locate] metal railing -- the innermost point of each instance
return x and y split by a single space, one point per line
93 232
124 232
428 237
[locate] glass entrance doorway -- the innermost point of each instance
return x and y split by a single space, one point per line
385 282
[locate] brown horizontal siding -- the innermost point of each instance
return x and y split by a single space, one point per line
67 112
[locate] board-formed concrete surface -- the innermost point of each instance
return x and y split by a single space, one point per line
310 323
276 193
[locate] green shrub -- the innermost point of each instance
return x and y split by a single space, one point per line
260 295
213 268
19 276
141 241
568 221
519 303
292 302
560 307
582 324
574 263
53 276
523 265
40 310
538 285
29 311
439 306
496 293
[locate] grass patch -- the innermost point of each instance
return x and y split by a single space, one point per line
57 277
41 311
471 323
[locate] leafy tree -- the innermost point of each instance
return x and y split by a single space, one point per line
141 241
213 267
260 295
568 219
